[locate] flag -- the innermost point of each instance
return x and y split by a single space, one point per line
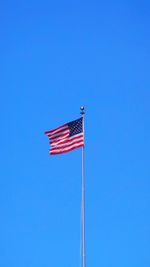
67 137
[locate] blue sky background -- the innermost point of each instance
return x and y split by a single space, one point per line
56 56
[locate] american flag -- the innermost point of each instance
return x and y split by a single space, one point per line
67 137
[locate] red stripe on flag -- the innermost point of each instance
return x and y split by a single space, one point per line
56 129
66 140
63 136
66 146
64 151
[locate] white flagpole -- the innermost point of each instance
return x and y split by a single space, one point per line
83 203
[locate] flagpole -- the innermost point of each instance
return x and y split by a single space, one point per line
83 258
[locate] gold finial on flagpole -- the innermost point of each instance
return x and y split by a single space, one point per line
82 110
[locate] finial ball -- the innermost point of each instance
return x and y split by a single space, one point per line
82 108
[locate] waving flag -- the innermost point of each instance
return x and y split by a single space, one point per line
67 137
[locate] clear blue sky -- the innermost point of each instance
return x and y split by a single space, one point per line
56 56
